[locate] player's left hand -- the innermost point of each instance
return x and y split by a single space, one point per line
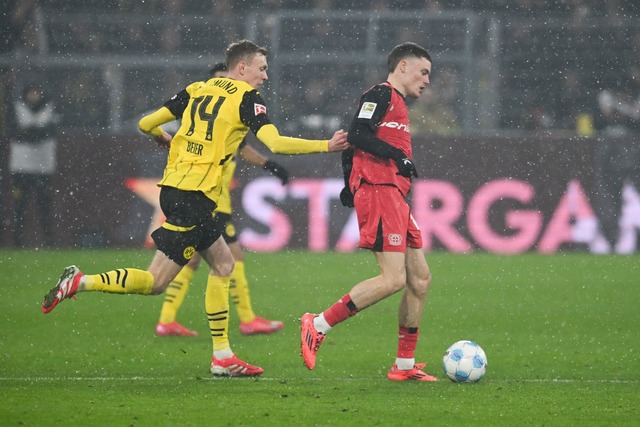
339 141
278 171
346 197
406 167
164 140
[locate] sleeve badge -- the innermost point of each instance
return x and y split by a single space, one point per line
259 109
367 110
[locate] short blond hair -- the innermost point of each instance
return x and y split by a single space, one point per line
243 50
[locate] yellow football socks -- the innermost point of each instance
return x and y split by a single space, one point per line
175 294
120 281
239 290
217 306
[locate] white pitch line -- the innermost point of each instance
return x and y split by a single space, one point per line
161 379
570 380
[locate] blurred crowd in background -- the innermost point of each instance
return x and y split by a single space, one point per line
573 8
500 66
552 58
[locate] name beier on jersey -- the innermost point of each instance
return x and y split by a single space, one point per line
194 148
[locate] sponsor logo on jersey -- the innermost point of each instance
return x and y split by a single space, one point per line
395 125
395 239
259 109
367 110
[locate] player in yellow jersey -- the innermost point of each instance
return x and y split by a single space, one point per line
216 115
250 324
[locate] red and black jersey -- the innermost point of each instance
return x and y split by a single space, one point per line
380 133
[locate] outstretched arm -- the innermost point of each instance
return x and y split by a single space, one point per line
277 143
259 123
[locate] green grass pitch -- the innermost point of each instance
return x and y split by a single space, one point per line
561 333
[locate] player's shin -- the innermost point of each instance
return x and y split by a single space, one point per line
217 307
175 294
239 290
120 281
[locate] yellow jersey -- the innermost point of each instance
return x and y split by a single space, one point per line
224 201
216 116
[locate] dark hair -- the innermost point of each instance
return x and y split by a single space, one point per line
217 68
403 51
31 87
242 50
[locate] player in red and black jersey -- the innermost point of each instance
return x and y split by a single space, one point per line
378 171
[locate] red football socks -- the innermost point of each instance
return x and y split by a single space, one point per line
407 341
340 311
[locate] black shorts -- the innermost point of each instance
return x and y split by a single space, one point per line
189 227
223 222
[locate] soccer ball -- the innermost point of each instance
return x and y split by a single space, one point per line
464 362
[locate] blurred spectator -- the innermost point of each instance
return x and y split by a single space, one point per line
33 160
580 12
14 18
316 112
170 39
525 8
86 38
538 118
173 7
433 6
434 112
617 154
572 103
430 115
227 19
322 5
13 22
82 108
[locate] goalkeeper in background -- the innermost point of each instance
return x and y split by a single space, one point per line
250 324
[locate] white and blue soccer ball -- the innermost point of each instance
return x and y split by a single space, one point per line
464 362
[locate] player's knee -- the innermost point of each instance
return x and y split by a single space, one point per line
161 277
224 268
229 266
194 262
419 284
396 282
157 290
159 285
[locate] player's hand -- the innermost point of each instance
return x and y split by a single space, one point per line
278 171
339 141
164 140
346 197
406 167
